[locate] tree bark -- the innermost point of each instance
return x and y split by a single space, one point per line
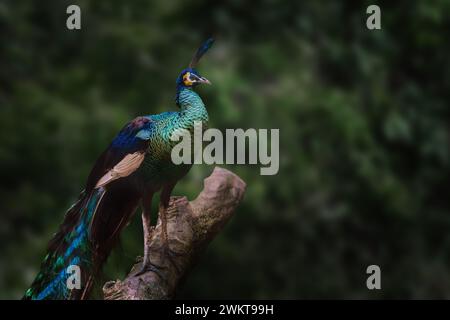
190 228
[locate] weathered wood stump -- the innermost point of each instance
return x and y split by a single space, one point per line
191 226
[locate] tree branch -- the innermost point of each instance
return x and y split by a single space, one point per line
191 226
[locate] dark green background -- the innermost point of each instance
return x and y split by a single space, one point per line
364 137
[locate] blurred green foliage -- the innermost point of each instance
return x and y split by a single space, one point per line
363 118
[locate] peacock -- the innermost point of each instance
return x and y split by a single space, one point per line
135 166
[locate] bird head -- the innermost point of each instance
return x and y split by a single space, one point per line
190 77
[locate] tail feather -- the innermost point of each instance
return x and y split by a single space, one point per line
70 246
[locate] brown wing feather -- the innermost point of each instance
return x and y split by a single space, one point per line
129 164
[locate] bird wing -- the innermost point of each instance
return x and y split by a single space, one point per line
124 168
124 155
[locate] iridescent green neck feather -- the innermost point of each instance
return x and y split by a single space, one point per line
192 108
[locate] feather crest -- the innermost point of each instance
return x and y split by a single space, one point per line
200 52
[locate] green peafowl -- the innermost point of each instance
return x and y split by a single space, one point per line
136 165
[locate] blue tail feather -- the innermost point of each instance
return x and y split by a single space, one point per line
73 249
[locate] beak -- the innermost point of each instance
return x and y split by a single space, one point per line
204 80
